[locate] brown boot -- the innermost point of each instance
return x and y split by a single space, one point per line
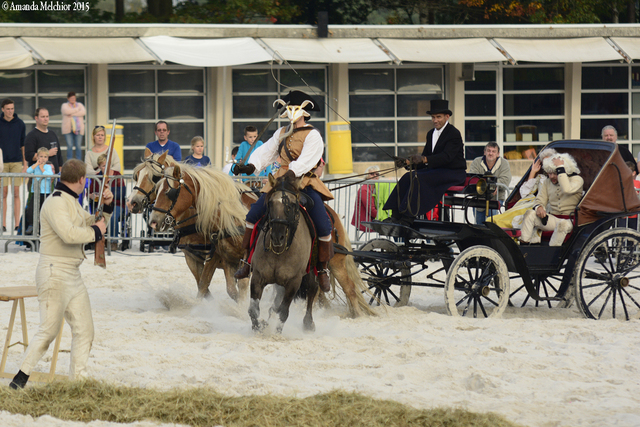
245 267
325 253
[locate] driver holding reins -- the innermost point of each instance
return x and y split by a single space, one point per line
300 147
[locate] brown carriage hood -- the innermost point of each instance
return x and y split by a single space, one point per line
605 194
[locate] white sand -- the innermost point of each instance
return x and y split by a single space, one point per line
535 366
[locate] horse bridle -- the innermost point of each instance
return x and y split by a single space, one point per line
154 179
290 220
173 194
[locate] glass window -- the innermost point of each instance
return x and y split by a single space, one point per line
54 105
371 105
132 107
592 128
138 135
22 81
534 78
131 81
375 80
25 106
532 104
376 131
180 81
181 107
414 105
413 130
248 106
480 131
600 78
533 130
480 105
62 81
296 81
253 81
373 154
605 103
419 80
484 80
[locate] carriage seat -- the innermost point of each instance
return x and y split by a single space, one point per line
546 235
461 195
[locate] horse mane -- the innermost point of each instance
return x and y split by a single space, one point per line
218 200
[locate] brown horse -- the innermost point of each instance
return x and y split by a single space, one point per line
183 190
202 254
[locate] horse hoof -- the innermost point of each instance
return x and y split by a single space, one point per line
259 326
309 326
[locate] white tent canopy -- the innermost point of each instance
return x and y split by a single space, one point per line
335 51
444 50
89 50
588 49
13 55
207 52
630 45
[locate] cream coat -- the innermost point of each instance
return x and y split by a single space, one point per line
561 198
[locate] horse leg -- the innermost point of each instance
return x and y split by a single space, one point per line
290 289
195 266
277 300
312 290
208 268
232 291
339 270
257 287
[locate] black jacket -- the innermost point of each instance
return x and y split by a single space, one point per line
449 151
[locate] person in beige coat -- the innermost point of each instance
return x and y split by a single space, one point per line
65 229
559 195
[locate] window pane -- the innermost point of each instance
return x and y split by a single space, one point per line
131 81
485 80
253 81
22 81
372 154
183 132
635 103
132 157
533 130
371 106
419 79
405 151
60 81
375 80
378 131
480 130
180 81
414 105
635 78
605 78
479 105
138 134
413 131
592 128
533 78
473 151
292 81
25 106
605 103
180 107
534 105
256 106
136 107
635 123
53 104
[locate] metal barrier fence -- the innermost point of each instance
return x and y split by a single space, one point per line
133 228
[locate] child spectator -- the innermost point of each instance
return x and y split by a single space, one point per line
250 137
41 167
118 188
232 161
197 158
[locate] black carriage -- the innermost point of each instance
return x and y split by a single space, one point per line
476 264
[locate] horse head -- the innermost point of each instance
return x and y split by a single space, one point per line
283 212
146 175
171 201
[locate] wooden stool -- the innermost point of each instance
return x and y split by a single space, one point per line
17 294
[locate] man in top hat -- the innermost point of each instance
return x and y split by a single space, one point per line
440 166
300 148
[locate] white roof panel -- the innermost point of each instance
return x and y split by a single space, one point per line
328 50
588 49
444 50
631 45
89 50
13 55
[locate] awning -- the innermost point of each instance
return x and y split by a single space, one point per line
89 50
590 49
207 53
13 55
444 50
327 50
630 45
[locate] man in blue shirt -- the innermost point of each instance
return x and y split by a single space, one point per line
163 143
12 134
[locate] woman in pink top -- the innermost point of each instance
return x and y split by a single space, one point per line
73 113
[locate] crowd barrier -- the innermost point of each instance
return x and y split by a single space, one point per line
131 231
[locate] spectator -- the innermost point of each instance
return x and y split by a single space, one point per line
197 148
12 137
100 147
365 207
250 139
609 133
42 167
163 143
118 189
41 136
232 161
491 163
73 125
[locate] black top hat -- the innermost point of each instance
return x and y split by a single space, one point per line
296 97
439 106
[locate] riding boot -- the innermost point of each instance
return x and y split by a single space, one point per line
19 381
245 267
325 253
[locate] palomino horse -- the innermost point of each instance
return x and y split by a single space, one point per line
341 266
203 254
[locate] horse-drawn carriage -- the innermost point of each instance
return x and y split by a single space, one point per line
476 264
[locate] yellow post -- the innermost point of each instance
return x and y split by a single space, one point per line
339 148
118 142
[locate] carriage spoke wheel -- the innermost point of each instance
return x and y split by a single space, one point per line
607 277
477 284
389 282
547 286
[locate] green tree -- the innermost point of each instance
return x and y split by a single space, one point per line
235 11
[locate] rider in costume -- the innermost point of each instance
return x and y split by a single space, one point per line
300 147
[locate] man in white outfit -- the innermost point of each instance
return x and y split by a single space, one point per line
65 229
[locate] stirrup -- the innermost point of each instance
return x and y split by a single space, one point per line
243 271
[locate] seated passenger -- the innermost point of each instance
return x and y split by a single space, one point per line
561 193
512 218
495 165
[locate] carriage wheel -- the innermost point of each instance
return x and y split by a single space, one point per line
547 286
607 277
477 284
380 277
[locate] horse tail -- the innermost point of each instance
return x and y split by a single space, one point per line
361 288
